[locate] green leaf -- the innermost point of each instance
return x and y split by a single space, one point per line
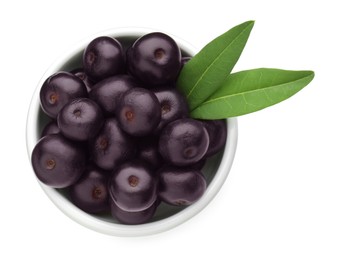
204 73
251 90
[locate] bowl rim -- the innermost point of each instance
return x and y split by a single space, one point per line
116 229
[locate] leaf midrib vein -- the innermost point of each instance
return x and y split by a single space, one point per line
214 61
265 88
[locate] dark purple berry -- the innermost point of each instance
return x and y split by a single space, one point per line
58 90
84 77
80 119
148 151
173 106
58 162
217 131
133 187
90 193
139 112
183 142
50 128
155 59
111 146
103 57
133 218
107 93
179 186
185 60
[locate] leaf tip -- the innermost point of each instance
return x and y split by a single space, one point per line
311 74
248 24
251 22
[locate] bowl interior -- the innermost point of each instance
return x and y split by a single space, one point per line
215 170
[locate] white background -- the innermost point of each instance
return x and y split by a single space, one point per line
285 197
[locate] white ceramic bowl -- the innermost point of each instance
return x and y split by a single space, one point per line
216 169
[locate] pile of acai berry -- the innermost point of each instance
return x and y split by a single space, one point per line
120 138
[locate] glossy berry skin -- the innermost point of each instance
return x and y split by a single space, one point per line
108 92
155 59
217 131
111 146
183 142
180 186
133 218
90 193
58 90
139 112
50 128
133 187
185 60
80 120
103 57
58 162
173 105
80 73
